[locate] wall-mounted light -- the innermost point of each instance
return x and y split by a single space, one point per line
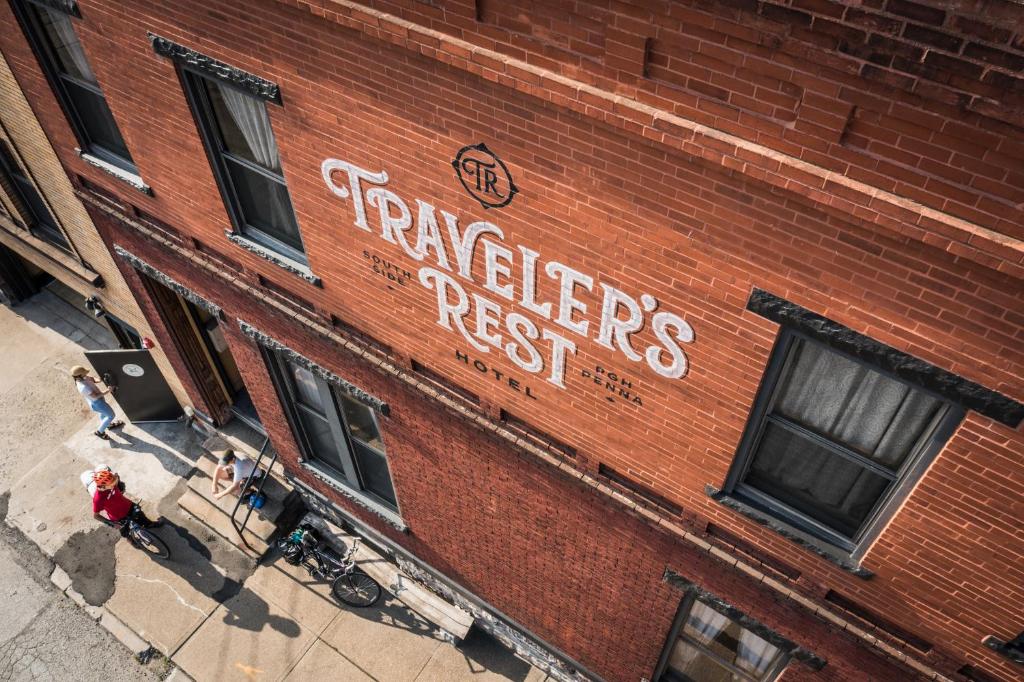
94 306
1013 650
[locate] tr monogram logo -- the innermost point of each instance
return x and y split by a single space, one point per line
484 176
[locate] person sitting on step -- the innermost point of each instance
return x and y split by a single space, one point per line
235 468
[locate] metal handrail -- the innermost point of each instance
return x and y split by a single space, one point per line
259 491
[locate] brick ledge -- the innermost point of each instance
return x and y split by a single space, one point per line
824 188
16 238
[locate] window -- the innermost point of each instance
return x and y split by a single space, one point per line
29 203
707 646
125 334
240 141
832 440
63 59
335 432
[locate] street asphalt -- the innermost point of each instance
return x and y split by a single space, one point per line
46 636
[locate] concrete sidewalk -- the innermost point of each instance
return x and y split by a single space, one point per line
205 609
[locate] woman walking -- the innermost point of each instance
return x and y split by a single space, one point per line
93 394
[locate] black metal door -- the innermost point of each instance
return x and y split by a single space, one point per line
142 392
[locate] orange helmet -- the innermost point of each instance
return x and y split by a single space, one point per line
104 477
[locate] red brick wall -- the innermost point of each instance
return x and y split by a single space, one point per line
646 218
543 548
922 99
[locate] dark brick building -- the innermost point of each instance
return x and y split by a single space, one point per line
683 338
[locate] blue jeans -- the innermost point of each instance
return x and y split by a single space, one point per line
106 413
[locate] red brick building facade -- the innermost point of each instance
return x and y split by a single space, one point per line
620 356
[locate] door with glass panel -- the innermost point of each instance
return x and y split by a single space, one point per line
209 330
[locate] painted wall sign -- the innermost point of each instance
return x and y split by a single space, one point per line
537 343
499 376
484 176
615 386
382 267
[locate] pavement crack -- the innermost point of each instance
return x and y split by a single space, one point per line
181 600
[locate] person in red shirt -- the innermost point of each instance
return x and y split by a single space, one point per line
110 500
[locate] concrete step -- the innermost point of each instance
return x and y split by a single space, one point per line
216 514
261 524
219 522
441 613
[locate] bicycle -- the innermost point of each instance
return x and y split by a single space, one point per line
349 585
140 537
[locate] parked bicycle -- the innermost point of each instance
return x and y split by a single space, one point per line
348 583
141 537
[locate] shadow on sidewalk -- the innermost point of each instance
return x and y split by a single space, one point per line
192 560
485 654
49 310
178 459
389 610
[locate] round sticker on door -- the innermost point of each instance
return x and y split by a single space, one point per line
133 370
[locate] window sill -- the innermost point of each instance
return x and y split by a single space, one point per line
827 552
119 173
296 268
1007 649
353 495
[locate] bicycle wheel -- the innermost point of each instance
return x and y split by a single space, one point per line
150 543
356 589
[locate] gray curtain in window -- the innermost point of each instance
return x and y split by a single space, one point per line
825 486
851 405
868 412
250 115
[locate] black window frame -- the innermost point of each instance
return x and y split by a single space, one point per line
26 12
828 539
216 151
45 226
351 478
676 632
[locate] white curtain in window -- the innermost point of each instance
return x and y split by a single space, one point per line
68 45
754 654
703 625
250 115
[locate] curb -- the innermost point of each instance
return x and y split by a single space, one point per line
178 675
109 621
140 648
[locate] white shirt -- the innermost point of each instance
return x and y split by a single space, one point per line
87 387
242 467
